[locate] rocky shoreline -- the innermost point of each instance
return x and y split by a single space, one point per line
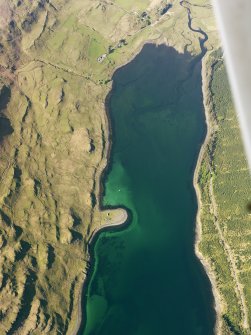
206 75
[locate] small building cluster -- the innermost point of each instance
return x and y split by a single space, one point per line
102 58
111 49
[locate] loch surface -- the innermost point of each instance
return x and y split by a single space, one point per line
145 278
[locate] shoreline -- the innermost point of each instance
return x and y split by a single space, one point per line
198 227
104 169
121 221
105 163
125 219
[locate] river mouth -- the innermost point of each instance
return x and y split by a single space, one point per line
145 279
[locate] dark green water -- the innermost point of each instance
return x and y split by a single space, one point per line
5 125
145 278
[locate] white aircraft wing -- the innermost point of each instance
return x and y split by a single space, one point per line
234 21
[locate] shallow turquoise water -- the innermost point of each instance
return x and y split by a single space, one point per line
145 279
